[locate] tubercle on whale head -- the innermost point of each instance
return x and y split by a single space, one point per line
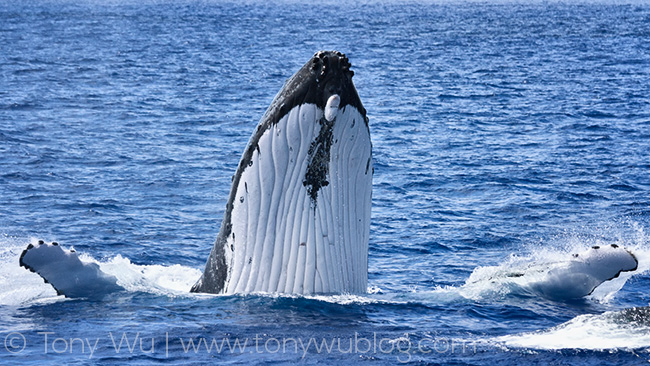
327 73
333 76
332 71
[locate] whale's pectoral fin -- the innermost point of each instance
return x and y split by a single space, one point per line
66 272
586 271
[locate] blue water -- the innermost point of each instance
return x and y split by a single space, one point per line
502 132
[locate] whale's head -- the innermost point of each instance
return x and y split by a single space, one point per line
298 215
328 74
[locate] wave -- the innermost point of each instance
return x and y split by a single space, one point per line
628 329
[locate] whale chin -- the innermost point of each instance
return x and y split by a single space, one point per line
298 214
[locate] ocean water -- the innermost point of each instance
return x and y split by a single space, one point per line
506 135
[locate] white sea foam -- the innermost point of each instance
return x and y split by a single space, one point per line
159 279
610 330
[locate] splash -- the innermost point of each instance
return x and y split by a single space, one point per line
18 286
551 269
172 280
628 329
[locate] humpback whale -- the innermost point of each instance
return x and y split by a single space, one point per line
297 219
298 215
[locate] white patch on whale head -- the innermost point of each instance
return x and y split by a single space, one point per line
332 107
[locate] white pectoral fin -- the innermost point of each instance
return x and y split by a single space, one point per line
64 270
586 271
